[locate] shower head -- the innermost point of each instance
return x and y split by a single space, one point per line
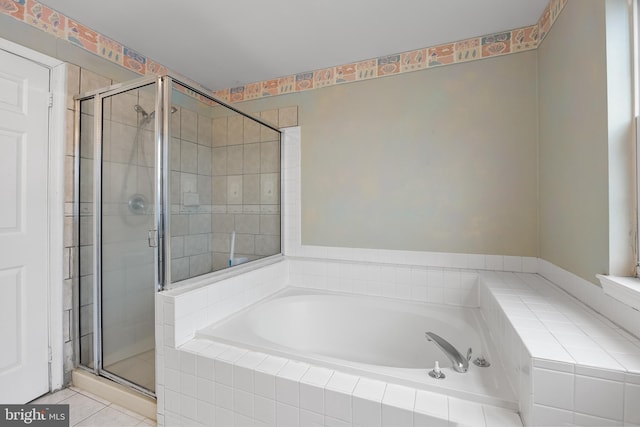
140 110
145 115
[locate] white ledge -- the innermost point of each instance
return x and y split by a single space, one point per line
624 289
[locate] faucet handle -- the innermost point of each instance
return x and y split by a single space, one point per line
469 354
436 372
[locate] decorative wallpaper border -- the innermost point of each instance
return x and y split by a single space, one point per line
522 39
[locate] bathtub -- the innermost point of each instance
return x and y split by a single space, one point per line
371 336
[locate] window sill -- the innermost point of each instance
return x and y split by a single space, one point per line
624 289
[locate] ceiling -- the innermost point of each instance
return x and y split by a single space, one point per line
228 43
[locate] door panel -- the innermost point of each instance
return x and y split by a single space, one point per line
24 117
128 213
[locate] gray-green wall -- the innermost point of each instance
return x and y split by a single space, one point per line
582 117
442 160
515 155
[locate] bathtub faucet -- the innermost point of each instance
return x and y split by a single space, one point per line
460 363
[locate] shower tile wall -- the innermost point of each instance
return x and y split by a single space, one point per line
225 176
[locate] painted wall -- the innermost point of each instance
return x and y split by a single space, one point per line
443 160
574 140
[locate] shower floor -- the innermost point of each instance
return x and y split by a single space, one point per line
139 369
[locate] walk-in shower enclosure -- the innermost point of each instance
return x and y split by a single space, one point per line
172 184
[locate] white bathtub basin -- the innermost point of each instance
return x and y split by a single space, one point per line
378 337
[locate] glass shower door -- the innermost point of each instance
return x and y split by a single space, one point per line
127 285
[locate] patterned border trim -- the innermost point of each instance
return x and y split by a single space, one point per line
519 40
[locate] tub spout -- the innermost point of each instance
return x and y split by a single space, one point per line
460 363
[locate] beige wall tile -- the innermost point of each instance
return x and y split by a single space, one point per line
247 224
200 264
175 122
270 188
196 244
73 84
175 187
174 160
86 135
270 225
220 261
221 242
267 245
235 134
68 234
123 109
288 116
271 117
179 225
235 159
204 160
86 290
251 131
204 189
219 161
245 244
91 81
69 139
177 247
188 183
219 190
220 132
86 230
251 158
223 223
267 134
179 269
69 179
234 190
188 157
120 143
270 157
188 125
251 189
205 130
199 223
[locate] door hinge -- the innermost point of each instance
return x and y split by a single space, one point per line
152 237
50 355
50 101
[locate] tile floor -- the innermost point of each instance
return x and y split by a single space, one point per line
89 410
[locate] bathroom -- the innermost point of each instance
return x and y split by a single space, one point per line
518 163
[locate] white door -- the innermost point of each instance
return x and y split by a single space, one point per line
24 117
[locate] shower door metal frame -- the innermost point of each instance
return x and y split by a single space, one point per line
164 227
98 96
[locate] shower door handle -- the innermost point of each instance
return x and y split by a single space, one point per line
152 237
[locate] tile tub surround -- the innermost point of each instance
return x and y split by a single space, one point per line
208 383
199 380
568 363
556 352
